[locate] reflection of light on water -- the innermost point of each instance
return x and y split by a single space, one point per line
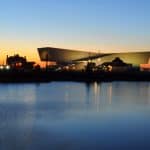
18 93
17 114
148 93
97 95
46 121
95 88
110 93
66 96
98 100
93 96
30 98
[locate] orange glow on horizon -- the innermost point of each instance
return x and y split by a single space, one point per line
28 48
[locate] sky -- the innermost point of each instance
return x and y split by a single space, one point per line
101 25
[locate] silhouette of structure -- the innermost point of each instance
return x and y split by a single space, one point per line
18 62
116 65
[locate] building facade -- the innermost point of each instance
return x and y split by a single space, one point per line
70 56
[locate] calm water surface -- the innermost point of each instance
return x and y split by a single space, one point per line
75 116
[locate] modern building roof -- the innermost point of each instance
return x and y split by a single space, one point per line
60 55
66 55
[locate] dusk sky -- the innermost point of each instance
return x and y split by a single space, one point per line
104 25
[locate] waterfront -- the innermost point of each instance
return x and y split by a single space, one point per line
74 115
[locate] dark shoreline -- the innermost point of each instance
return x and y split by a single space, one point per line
48 76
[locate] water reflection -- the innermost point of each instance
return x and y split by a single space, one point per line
68 115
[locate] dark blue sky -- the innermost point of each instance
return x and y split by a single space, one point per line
106 25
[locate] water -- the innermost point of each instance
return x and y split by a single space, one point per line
75 116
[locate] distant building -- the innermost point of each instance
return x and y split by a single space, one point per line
66 56
18 62
61 56
116 65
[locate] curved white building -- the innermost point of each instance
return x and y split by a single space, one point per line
59 55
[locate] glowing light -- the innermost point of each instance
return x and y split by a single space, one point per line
145 66
99 59
110 68
7 67
1 67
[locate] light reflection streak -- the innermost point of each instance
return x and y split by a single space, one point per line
97 95
110 93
